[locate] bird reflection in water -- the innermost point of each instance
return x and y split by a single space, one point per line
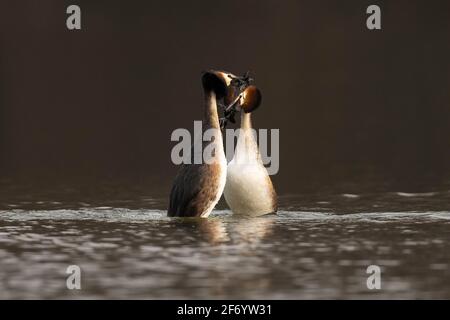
217 230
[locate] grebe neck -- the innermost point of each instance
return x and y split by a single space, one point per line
246 122
211 117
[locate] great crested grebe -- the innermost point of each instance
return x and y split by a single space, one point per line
249 190
198 187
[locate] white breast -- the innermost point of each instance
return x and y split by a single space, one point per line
222 161
248 189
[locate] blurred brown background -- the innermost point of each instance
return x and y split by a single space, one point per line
100 104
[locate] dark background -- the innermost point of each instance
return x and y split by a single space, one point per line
352 105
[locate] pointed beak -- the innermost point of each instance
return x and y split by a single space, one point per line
235 105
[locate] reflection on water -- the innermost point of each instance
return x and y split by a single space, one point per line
317 247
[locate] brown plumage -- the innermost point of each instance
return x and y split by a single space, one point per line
194 190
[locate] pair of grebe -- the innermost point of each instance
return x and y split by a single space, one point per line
244 181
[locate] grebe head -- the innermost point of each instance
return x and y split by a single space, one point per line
218 82
236 85
250 99
232 90
239 95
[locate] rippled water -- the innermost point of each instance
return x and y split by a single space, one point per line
316 247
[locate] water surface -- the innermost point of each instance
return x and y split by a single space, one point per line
318 246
